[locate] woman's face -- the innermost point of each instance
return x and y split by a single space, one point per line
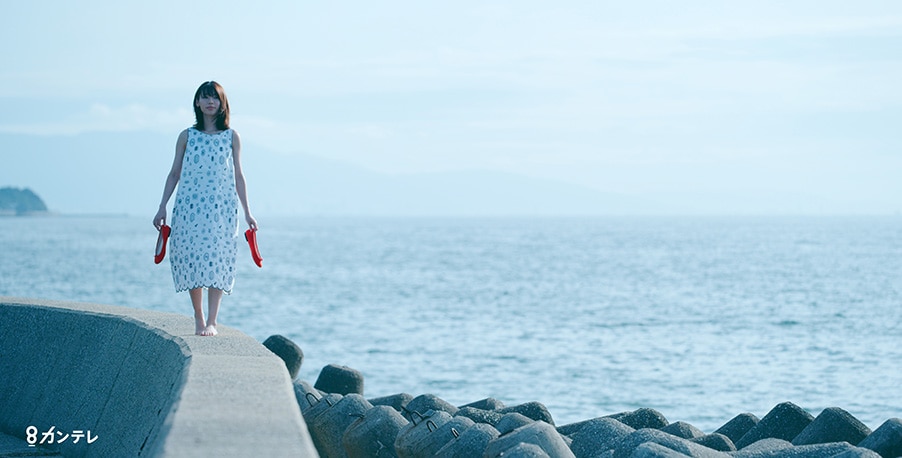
208 104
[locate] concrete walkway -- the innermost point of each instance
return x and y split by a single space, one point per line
142 383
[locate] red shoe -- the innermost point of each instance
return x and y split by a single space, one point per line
251 236
161 244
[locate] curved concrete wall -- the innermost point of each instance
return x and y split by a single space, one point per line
142 383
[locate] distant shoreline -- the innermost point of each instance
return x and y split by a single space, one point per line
51 214
13 214
54 214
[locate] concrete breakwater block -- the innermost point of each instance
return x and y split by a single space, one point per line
288 351
785 421
525 450
538 433
716 441
512 421
397 401
427 425
598 434
408 433
447 433
857 452
426 402
802 451
683 429
339 379
328 426
833 425
641 418
301 390
452 429
762 448
738 426
472 442
629 444
489 417
886 439
418 438
655 450
317 407
485 404
374 433
572 428
534 410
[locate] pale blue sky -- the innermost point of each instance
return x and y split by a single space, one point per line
790 106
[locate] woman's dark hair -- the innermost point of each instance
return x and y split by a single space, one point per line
212 88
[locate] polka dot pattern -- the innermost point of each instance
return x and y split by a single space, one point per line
204 240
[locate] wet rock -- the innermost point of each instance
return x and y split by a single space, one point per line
833 425
339 379
785 421
288 351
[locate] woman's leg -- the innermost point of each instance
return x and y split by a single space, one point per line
197 301
214 297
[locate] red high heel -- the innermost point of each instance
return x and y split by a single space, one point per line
251 236
161 244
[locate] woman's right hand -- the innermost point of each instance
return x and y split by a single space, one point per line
160 219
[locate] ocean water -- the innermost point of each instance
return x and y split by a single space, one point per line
699 318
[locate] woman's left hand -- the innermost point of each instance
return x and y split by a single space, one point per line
251 222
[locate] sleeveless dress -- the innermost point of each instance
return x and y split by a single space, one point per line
204 240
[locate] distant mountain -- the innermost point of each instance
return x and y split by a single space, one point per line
15 201
125 173
306 184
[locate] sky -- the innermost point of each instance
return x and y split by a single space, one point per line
743 106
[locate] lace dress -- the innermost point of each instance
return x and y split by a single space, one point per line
204 240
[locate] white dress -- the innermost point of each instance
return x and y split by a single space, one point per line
204 240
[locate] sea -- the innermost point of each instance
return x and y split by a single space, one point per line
699 318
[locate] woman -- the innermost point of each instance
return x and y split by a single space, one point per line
204 242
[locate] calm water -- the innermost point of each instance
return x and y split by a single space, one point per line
699 318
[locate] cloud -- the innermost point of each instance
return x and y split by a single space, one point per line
100 117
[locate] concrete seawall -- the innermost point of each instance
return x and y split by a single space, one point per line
142 383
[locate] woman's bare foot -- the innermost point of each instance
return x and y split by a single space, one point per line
210 330
199 326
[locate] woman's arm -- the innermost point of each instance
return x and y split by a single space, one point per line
172 179
240 184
